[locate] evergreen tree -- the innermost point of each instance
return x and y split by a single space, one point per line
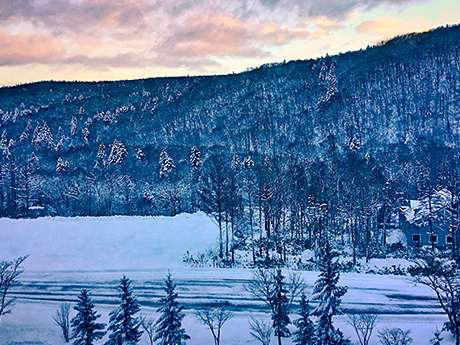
195 157
437 339
305 332
123 324
280 305
117 153
168 327
84 328
329 296
140 154
166 164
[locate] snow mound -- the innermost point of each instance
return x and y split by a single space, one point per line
106 243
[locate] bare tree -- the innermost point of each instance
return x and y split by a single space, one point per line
214 319
394 336
363 324
268 286
9 273
441 276
261 331
62 319
262 286
148 324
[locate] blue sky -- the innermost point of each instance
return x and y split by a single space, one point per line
128 39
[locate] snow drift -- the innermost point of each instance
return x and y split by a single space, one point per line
106 243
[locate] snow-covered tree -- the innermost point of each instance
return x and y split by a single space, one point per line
329 296
166 164
4 144
124 325
42 136
248 163
195 157
235 161
140 154
280 302
437 339
25 134
85 329
168 327
73 126
305 329
118 152
61 166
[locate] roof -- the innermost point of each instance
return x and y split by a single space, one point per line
418 211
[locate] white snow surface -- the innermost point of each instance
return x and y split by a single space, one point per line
105 243
68 254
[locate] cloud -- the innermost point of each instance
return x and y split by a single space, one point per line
77 16
104 34
23 48
214 34
381 26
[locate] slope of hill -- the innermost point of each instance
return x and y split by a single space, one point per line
332 144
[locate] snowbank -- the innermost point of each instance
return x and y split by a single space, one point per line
106 243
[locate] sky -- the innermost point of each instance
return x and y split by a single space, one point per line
130 39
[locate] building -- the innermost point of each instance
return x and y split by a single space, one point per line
414 220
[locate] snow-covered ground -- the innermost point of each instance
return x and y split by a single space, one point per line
68 254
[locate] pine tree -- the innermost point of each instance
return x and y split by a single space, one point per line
123 324
280 305
437 339
117 153
166 164
140 154
195 157
305 332
329 296
84 328
61 166
168 327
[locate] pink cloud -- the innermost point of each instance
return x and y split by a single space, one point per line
218 35
23 48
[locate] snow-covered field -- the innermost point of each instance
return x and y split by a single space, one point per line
68 254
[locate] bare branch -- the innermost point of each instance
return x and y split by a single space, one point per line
260 330
62 319
9 273
363 324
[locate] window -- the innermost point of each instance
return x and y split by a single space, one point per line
448 239
433 238
415 237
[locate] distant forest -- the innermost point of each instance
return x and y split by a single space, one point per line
283 155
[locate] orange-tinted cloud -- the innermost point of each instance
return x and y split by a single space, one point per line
326 23
381 26
23 48
217 35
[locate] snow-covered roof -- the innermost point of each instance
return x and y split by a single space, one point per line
419 210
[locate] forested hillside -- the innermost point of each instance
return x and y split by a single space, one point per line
282 155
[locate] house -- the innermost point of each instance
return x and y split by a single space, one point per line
414 220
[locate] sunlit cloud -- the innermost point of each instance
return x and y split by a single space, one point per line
194 36
381 26
23 48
